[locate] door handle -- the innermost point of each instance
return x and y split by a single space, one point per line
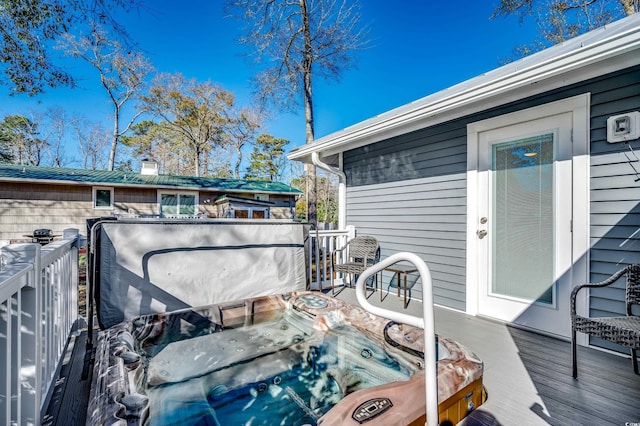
481 233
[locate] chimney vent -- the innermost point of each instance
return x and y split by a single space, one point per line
149 167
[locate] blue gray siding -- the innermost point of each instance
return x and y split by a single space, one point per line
615 196
410 191
420 216
417 203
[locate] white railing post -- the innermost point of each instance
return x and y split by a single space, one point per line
322 245
6 345
38 307
72 282
24 338
32 342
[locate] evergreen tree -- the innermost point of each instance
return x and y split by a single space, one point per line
19 141
267 158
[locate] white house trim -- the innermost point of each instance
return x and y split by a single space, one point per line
579 106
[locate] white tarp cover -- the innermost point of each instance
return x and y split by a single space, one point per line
148 267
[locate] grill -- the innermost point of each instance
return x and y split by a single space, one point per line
42 233
42 236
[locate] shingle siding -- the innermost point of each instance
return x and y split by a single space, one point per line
410 191
25 206
28 206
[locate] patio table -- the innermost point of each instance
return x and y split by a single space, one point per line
401 271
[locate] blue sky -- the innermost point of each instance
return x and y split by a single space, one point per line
417 48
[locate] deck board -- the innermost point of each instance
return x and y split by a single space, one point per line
607 391
70 397
527 376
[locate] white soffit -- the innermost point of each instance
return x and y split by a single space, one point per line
607 49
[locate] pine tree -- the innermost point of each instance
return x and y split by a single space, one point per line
267 158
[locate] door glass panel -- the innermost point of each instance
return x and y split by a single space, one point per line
522 229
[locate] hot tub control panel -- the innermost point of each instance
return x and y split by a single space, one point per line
370 409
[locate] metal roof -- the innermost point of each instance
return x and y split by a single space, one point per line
65 176
607 49
227 198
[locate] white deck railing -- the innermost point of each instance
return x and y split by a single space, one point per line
322 244
38 312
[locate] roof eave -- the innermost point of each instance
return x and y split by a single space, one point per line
610 53
141 185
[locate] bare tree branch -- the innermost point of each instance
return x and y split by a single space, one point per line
295 41
29 28
122 74
560 20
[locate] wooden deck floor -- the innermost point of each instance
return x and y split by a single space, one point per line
527 376
70 397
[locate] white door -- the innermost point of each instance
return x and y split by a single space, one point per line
524 234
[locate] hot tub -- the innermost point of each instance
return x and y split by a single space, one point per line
302 358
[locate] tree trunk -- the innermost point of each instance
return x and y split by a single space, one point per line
307 62
197 160
114 141
238 162
629 7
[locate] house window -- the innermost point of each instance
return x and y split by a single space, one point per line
241 214
102 198
262 197
178 204
252 212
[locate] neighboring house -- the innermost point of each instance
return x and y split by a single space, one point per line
244 208
512 186
57 198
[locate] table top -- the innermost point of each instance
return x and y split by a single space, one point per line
399 267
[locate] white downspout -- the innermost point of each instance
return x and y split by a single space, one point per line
342 188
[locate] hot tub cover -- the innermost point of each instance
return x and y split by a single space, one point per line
146 266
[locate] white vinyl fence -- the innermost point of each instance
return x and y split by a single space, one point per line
38 312
323 243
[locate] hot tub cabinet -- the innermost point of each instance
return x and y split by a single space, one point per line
298 358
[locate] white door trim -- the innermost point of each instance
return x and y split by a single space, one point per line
579 106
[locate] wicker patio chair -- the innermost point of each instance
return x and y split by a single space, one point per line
361 253
623 330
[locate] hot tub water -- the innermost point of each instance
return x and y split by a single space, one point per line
293 359
277 372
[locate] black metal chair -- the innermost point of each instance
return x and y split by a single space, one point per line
623 330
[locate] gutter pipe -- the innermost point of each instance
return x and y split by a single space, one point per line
342 187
